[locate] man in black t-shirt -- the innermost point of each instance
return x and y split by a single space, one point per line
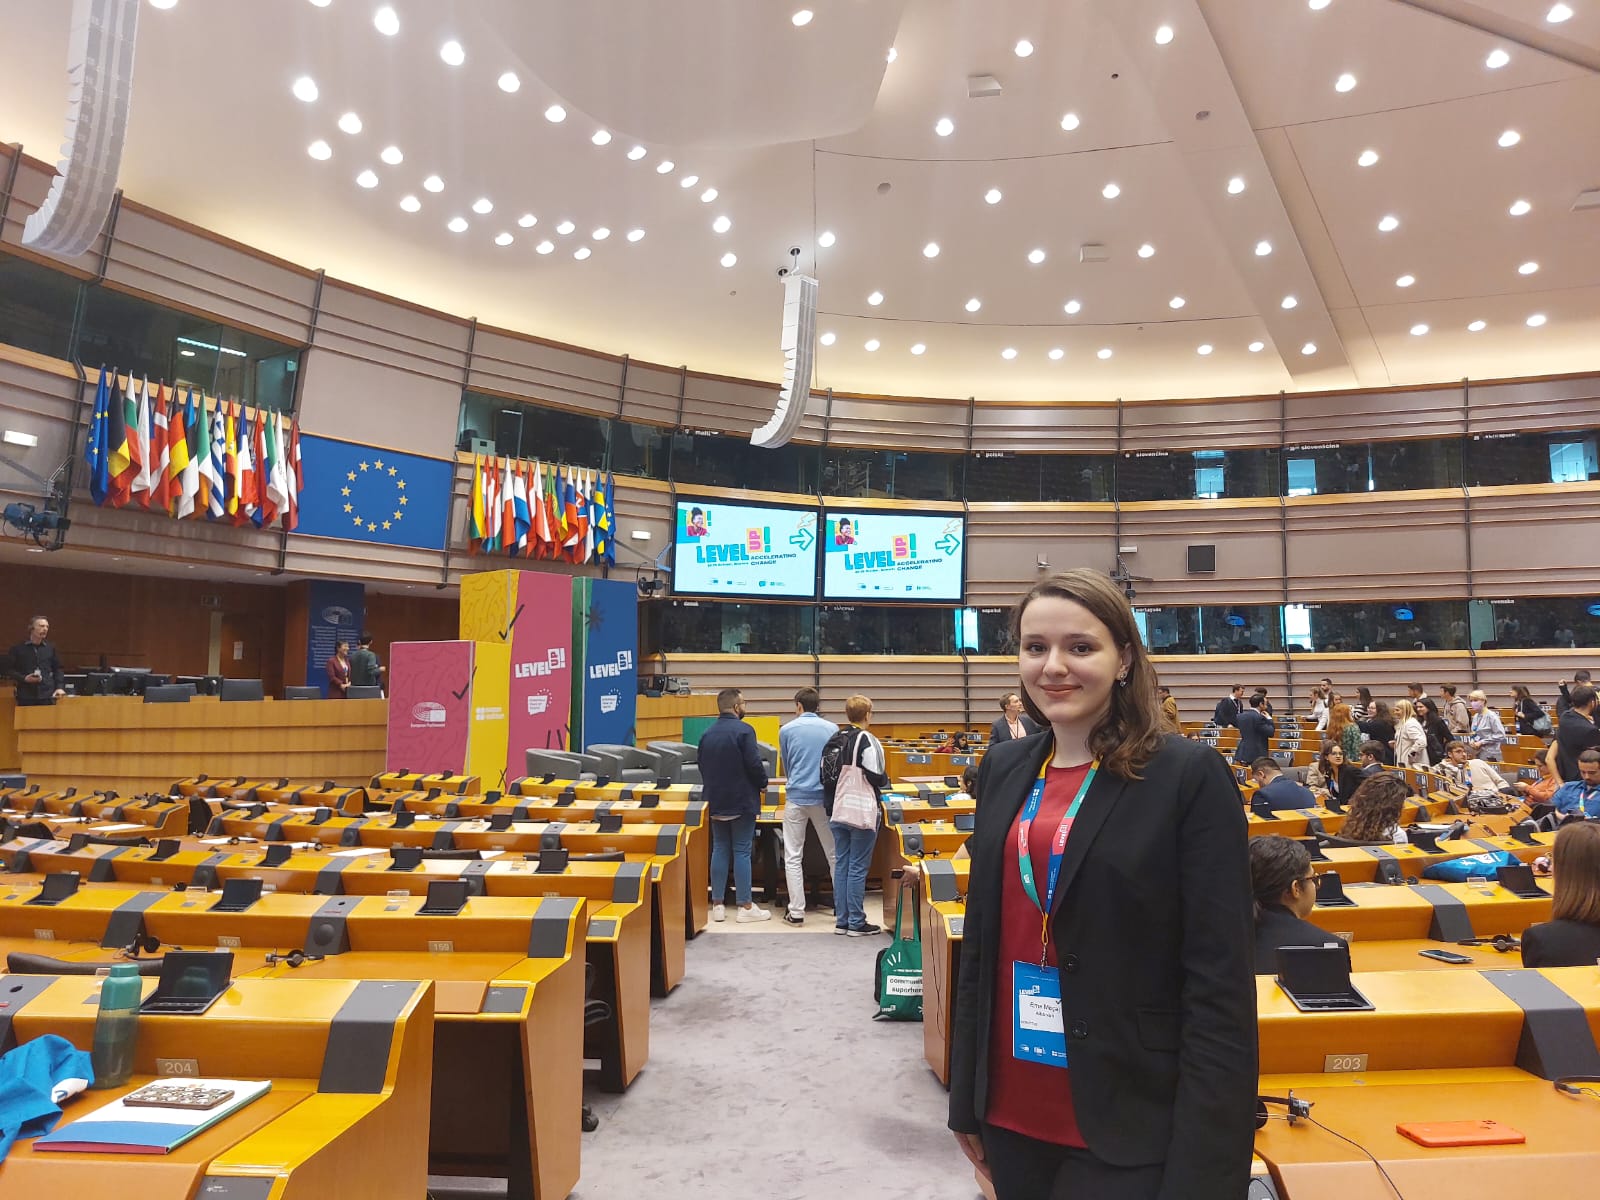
36 667
1576 732
365 670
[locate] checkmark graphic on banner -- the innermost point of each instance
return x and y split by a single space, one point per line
459 695
505 633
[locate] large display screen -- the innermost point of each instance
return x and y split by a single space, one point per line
896 557
745 550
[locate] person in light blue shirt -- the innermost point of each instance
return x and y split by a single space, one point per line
1581 797
801 742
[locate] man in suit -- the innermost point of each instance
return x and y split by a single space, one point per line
1371 760
733 780
1255 730
1229 707
1012 722
36 667
1575 733
1275 790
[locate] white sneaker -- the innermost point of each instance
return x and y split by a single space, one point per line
752 913
718 913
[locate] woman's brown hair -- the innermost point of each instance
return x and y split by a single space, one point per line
1577 871
1375 809
1131 732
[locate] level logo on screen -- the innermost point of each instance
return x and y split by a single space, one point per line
741 549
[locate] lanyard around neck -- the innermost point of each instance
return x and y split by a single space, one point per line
1058 845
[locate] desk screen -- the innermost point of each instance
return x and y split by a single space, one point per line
898 557
744 550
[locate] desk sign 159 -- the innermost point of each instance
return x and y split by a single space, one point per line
1333 1063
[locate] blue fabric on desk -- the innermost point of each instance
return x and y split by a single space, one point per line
34 1079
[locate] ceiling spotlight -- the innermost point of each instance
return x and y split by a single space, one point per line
974 304
919 348
721 225
1103 353
1256 347
992 196
1520 208
1235 186
1072 308
1418 329
545 246
826 239
565 228
410 203
635 235
1057 354
555 114
185 353
1367 158
892 55
601 234
367 179
320 150
1527 268
1288 302
637 153
1496 59
944 127
1405 281
872 344
483 206
931 250
729 259
1477 326
1163 35
386 21
601 137
665 167
1147 251
509 82
527 220
1176 302
503 239
1536 320
875 299
1023 48
457 225
1203 349
1558 13
392 156
1345 83
433 183
803 17
581 253
828 339
688 181
1070 122
1308 349
1388 224
1008 353
452 53
350 123
1319 5
1263 248
707 196
1111 191
1036 256
305 88
1509 138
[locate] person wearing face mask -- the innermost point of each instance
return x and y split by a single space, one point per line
1012 723
1285 887
1487 734
1108 936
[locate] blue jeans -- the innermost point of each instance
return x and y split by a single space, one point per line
852 852
733 836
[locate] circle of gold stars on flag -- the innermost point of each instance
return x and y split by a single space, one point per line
365 520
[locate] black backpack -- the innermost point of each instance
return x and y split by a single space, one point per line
835 753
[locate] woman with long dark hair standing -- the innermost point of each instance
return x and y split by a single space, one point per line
1104 1036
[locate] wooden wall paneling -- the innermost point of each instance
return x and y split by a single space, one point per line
938 425
1201 425
1540 544
652 395
32 186
535 370
1033 429
989 678
1538 670
1317 417
1199 681
1378 546
642 506
768 681
419 616
1532 405
1248 537
1005 542
901 688
734 406
39 398
1387 674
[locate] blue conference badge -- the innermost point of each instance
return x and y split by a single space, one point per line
367 494
1038 1033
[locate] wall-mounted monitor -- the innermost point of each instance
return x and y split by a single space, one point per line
894 557
744 550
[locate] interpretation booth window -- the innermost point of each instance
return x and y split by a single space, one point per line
873 629
891 474
1416 465
714 460
1519 458
1000 477
1379 625
640 450
36 307
1536 622
719 627
1197 474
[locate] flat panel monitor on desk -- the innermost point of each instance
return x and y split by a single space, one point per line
746 550
131 681
242 689
894 557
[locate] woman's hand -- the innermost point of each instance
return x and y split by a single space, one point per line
972 1146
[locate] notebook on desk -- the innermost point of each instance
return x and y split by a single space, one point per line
126 1126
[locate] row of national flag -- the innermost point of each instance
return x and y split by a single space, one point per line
531 509
190 459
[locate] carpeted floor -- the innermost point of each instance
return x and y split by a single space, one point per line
768 1078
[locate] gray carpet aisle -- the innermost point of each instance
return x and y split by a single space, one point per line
768 1078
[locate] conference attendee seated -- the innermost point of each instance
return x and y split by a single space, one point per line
1285 889
1581 797
1275 790
1572 937
1255 730
1373 817
1372 759
1333 774
1463 770
1012 723
1543 789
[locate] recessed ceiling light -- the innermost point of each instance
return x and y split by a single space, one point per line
721 225
350 123
1163 35
1497 59
1008 353
637 153
305 88
1405 281
1367 158
1176 302
1319 5
974 304
186 353
1520 208
665 167
1111 191
826 238
527 220
931 250
802 17
729 259
163 4
503 239
992 196
1477 326
944 127
1036 256
509 82
581 253
1418 329
367 179
386 21
1235 186
1388 224
1023 48
457 225
483 206
1072 308
872 344
320 150
410 203
1263 248
828 339
1527 268
1103 352
392 156
545 246
1558 13
1147 251
919 348
875 299
1256 347
1345 83
452 53
601 234
1057 354
1509 138
1070 121
635 235
1308 349
601 137
688 181
1203 349
892 55
1288 302
565 228
1536 320
707 196
555 114
433 183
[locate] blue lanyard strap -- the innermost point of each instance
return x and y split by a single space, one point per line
1058 846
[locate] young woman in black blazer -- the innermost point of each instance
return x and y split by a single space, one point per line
1148 943
1572 937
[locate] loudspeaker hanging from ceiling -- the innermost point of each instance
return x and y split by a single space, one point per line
799 342
100 77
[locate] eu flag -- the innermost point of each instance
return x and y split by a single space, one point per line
99 452
364 494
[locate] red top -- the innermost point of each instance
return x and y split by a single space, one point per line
1028 1097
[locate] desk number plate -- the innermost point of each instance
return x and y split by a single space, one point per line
171 1067
441 947
229 943
1337 1063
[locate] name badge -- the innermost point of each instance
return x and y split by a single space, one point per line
1037 1032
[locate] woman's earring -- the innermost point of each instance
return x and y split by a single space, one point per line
1122 681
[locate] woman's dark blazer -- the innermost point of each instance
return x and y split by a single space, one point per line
1000 731
1564 943
1154 933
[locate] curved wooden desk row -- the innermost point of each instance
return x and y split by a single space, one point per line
158 816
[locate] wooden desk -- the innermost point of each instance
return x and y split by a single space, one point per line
10 758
